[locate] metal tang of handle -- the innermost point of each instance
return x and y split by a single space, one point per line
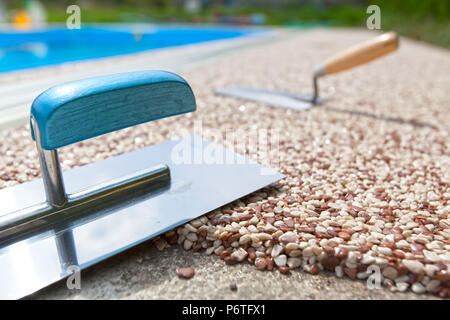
79 110
355 56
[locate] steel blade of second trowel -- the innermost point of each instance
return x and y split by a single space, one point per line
273 98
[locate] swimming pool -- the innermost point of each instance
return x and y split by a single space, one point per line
22 50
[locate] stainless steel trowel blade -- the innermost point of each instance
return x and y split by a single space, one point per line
274 98
204 176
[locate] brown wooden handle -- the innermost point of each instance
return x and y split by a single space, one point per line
361 53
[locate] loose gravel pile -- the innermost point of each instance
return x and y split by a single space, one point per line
368 173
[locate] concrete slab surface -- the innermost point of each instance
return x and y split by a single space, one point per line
144 272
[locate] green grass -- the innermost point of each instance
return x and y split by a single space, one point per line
423 20
424 29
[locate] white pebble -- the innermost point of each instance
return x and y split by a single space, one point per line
276 250
240 254
288 237
246 238
187 244
192 237
362 275
390 273
280 260
401 279
219 249
433 284
295 253
418 288
431 256
413 265
339 271
402 286
294 262
190 228
307 252
384 251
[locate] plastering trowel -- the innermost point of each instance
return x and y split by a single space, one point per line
50 228
347 59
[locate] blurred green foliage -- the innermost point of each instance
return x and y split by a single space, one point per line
427 20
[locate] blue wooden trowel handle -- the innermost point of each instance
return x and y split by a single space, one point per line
83 109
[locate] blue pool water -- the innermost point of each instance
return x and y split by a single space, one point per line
21 50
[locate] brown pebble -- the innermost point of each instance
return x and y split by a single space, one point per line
389 245
438 289
330 262
443 276
225 253
285 270
289 223
323 235
261 264
230 260
401 269
172 239
362 267
285 228
289 199
344 235
251 254
417 247
398 237
441 265
444 293
270 220
233 286
306 229
226 244
185 273
332 244
343 253
364 248
314 269
328 250
234 237
246 217
420 241
203 232
226 236
197 246
269 264
332 233
234 219
398 254
412 278
351 273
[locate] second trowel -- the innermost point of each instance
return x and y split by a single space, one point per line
347 59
